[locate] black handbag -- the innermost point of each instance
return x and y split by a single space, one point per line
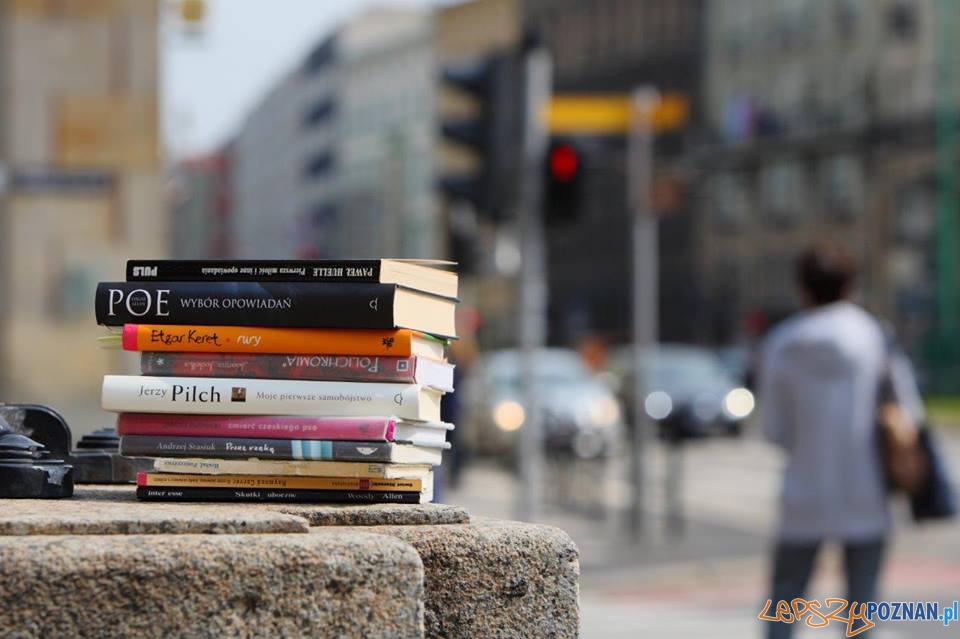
914 465
937 498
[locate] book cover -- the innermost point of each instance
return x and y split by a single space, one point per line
223 396
381 429
199 465
291 482
340 368
253 270
258 426
146 493
295 449
290 341
429 276
349 305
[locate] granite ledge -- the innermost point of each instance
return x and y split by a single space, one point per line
111 509
328 584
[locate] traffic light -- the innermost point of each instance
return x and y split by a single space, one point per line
563 181
492 133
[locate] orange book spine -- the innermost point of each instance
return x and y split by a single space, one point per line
252 339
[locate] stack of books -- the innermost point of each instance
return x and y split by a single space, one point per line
313 381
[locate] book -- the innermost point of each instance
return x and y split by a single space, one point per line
339 368
199 465
290 341
228 396
297 449
386 429
146 493
286 482
422 275
277 304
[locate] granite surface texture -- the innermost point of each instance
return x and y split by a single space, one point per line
375 514
104 565
333 583
102 517
107 509
497 579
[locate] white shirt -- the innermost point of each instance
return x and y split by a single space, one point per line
821 371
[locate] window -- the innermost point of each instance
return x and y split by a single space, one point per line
841 181
319 164
782 191
728 200
318 112
902 20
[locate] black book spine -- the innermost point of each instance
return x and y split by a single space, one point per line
276 304
253 271
150 493
247 448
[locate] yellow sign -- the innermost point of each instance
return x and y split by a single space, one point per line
107 131
192 11
599 114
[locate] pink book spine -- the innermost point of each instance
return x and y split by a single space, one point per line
258 426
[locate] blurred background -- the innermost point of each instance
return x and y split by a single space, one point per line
356 128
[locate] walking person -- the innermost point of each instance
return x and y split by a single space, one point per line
820 379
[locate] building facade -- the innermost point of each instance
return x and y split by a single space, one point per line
201 206
283 164
82 187
821 121
385 136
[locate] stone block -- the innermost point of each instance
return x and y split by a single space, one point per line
334 583
496 579
376 514
105 517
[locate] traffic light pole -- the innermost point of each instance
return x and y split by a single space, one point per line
645 285
533 281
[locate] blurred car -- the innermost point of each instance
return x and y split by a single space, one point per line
737 361
690 393
581 415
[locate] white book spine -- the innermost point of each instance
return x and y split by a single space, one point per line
222 396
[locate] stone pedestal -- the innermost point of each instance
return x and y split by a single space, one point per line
104 565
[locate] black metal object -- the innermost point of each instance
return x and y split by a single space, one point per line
97 460
27 471
41 424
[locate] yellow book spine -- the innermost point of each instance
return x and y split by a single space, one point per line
288 482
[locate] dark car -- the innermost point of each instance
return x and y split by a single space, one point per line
689 392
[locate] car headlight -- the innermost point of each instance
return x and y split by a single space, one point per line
658 405
738 403
508 415
605 411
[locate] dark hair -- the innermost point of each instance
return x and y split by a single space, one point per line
826 272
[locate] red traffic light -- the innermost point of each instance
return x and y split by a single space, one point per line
564 163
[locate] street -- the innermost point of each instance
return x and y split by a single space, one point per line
711 579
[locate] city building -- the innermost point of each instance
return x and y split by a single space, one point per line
283 163
201 205
337 159
614 47
80 190
385 136
821 119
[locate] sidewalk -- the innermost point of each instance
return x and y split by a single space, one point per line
712 580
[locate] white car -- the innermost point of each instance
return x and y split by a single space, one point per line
581 414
